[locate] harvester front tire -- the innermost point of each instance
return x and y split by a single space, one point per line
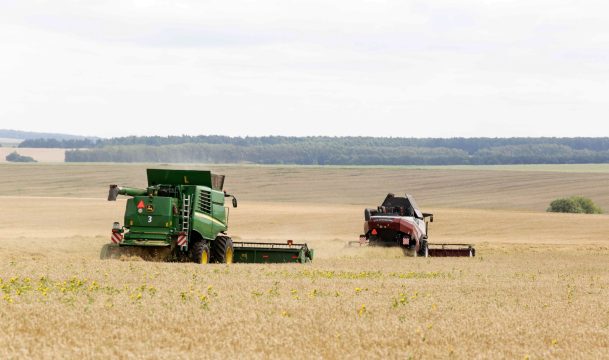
200 252
424 250
222 250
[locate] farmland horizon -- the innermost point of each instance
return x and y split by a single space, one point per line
320 150
24 134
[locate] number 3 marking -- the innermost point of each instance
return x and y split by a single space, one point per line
149 219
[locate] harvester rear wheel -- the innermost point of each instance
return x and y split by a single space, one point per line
200 252
423 250
222 250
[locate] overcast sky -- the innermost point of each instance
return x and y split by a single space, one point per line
307 67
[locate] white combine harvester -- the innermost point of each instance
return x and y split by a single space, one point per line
399 222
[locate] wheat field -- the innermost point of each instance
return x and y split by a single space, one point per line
538 287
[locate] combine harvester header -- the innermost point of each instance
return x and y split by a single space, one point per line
181 216
272 252
399 222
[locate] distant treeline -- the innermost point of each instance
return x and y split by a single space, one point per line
346 150
58 143
324 150
469 145
18 134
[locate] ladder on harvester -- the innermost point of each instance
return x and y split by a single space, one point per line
183 237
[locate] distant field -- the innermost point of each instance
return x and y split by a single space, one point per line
40 155
9 142
437 187
537 288
568 168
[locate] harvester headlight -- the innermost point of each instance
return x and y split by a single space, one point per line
116 226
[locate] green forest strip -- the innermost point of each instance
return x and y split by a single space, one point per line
339 153
324 150
469 145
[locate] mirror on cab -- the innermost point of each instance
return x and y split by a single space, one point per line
234 202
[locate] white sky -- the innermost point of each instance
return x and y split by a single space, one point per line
306 67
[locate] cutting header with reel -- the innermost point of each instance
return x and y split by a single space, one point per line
181 216
399 222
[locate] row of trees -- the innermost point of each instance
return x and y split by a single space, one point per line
337 154
276 154
58 143
468 145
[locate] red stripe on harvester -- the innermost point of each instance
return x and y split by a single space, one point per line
116 238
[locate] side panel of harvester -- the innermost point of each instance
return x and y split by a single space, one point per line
209 214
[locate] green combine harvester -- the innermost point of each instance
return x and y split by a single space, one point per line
181 216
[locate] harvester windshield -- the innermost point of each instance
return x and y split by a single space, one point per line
399 205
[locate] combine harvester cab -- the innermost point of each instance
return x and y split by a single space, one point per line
181 216
399 222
